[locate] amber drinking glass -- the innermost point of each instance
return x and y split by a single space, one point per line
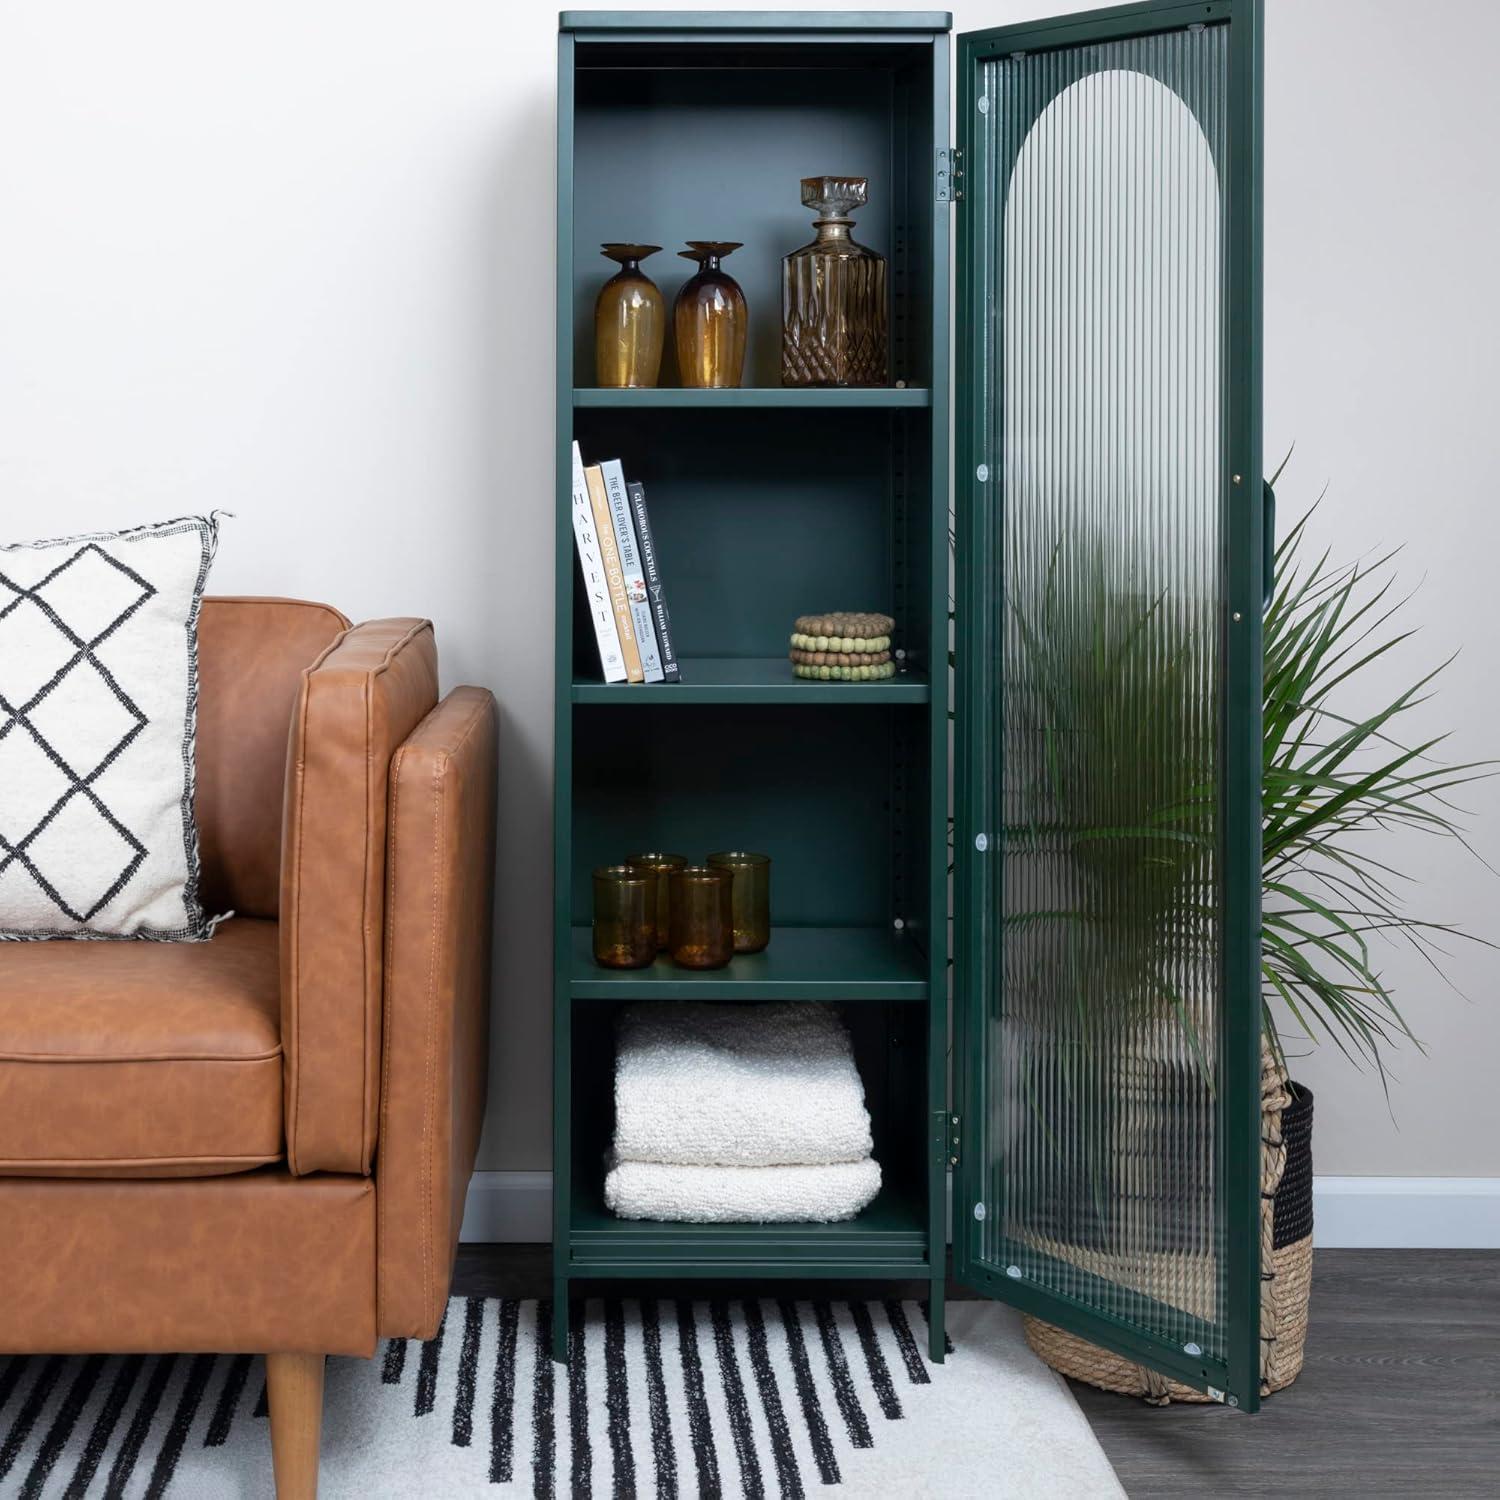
660 867
630 321
710 319
752 896
624 917
702 935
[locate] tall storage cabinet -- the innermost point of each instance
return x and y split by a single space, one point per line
1102 194
766 503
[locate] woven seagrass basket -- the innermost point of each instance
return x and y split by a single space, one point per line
1286 1264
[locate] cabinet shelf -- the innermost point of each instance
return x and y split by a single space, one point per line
802 963
888 1239
792 398
753 680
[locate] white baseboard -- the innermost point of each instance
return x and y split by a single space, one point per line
1365 1213
1407 1213
508 1206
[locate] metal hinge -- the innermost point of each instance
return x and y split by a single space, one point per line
944 1139
954 1140
949 174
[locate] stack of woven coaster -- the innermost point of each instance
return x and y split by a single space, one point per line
843 647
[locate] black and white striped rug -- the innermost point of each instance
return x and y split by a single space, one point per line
770 1400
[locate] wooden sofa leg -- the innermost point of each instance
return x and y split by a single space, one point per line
294 1392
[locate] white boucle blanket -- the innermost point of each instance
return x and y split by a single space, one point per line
741 1195
737 1086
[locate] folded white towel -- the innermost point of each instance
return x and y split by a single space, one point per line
737 1086
741 1195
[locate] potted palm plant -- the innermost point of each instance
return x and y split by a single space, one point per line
1109 840
1339 773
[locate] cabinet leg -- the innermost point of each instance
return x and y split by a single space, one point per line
560 1319
937 1331
294 1393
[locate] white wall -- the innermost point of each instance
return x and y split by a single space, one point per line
1383 366
295 260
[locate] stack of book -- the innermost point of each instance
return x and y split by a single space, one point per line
621 575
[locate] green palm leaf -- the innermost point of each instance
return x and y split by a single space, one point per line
1118 797
1333 778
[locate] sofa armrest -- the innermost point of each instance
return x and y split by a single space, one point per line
440 866
357 703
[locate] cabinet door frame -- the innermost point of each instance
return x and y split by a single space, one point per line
977 532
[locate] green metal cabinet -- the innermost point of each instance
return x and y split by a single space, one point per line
1092 573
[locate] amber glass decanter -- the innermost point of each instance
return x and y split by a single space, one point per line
629 321
710 319
833 313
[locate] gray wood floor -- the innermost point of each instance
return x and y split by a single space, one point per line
1400 1395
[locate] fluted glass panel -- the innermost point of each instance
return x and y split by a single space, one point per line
1104 1002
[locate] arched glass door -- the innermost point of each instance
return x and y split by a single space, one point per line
1110 555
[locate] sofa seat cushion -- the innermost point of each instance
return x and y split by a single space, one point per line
141 1059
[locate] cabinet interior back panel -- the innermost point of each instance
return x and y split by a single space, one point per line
814 788
665 155
754 528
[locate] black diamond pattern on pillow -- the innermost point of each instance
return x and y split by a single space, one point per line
47 662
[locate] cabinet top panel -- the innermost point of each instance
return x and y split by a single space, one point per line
754 20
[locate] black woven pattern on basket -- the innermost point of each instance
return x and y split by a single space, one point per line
1292 1218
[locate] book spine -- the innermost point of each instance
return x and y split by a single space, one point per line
662 617
609 551
595 583
630 566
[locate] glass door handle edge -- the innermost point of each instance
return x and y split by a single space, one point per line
1268 544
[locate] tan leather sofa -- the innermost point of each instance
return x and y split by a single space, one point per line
262 1143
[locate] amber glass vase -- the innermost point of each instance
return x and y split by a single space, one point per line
624 917
702 934
659 867
833 299
752 896
710 320
630 321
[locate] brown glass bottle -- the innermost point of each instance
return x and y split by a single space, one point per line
710 320
833 297
630 321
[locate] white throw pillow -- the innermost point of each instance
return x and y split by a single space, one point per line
98 717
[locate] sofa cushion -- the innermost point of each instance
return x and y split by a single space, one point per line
141 1059
251 656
